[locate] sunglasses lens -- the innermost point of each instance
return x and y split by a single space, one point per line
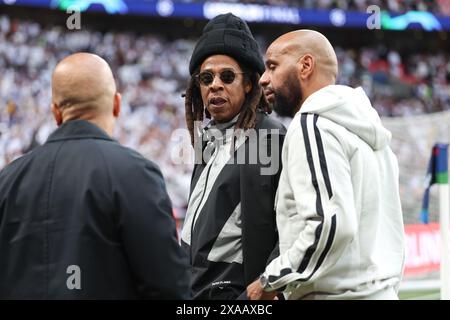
205 78
227 76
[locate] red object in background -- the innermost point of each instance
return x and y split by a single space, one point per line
379 66
423 248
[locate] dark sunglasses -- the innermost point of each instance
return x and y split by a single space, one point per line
205 78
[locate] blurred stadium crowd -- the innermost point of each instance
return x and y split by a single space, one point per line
152 73
440 7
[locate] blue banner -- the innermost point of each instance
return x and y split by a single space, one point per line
252 13
437 172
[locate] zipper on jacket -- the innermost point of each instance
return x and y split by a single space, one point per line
199 204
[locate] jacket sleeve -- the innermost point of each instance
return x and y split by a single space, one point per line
259 234
321 219
148 231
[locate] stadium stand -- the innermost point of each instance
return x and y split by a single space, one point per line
410 89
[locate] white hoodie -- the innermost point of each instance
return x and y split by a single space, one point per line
338 206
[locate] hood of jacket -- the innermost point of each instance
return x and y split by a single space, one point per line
350 108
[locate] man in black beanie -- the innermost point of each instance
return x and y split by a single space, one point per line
230 229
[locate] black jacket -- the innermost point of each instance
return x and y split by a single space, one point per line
236 185
84 217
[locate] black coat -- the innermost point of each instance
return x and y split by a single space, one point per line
84 217
236 183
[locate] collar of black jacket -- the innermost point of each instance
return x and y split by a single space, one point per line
78 129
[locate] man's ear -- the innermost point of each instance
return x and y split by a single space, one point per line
306 66
117 104
57 114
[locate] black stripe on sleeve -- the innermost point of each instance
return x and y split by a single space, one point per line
326 249
311 249
319 208
323 160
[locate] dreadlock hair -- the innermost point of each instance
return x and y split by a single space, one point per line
255 99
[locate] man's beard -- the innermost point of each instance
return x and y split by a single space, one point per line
285 105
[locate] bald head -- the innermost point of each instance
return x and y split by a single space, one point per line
83 85
300 42
298 64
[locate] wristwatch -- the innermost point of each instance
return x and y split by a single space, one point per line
263 281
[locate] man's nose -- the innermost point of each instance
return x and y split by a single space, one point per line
264 80
216 83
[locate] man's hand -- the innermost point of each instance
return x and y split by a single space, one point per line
256 292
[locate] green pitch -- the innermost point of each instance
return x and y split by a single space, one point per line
420 295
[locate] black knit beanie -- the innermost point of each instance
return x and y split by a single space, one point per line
229 35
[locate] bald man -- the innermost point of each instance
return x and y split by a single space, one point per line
338 207
83 217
